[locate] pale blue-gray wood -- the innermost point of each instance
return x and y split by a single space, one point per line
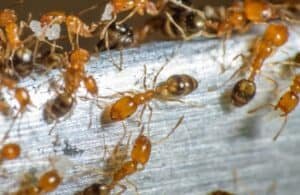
213 140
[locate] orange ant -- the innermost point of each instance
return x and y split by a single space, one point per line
286 104
73 75
45 183
75 26
119 166
8 21
238 17
275 36
174 87
137 6
21 95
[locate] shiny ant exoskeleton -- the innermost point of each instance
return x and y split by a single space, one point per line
173 88
121 164
275 36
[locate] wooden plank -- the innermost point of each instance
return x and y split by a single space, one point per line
200 156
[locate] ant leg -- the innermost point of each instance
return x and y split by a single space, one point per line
145 78
241 69
171 19
149 118
188 8
171 132
86 10
6 134
130 15
275 83
174 52
281 128
71 39
119 67
133 185
52 128
261 107
224 39
91 115
124 188
188 103
140 119
35 50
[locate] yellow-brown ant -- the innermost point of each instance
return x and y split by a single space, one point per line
137 6
286 104
172 89
73 75
32 184
275 36
120 164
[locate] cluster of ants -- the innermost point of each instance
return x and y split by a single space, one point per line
31 46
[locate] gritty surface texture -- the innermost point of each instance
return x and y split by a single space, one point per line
213 140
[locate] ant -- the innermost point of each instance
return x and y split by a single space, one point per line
174 87
8 21
21 95
45 183
19 56
244 90
73 76
137 6
75 26
119 166
286 104
238 17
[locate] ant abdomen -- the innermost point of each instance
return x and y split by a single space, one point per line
243 92
58 107
175 86
95 189
119 36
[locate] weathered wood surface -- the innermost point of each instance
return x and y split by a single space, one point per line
202 153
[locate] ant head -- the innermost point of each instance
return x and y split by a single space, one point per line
243 91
